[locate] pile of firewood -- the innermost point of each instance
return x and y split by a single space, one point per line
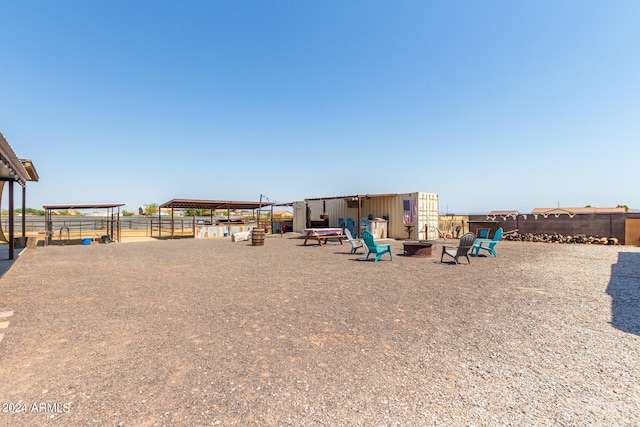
559 238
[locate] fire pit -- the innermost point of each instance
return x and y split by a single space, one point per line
421 248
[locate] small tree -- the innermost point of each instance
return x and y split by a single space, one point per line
194 212
151 209
31 211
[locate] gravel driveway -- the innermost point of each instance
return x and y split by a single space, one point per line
209 332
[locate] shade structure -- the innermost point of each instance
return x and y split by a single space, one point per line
14 170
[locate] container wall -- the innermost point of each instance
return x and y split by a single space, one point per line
386 207
379 207
427 223
299 216
393 207
334 208
396 227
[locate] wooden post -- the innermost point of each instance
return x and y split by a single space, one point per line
11 223
47 227
173 224
359 215
24 213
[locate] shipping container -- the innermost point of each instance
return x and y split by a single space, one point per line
383 213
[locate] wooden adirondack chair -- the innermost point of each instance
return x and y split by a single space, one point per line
491 243
462 250
378 249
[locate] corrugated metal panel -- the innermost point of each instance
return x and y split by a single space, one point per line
384 207
299 216
428 211
315 209
335 208
427 222
396 226
393 207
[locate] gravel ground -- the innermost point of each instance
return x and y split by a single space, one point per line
210 332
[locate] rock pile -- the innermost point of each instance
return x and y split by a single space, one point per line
559 238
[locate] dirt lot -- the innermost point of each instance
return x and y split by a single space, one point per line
210 332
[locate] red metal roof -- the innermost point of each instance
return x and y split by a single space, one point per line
84 206
213 204
361 196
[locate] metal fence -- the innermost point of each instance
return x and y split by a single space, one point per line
66 228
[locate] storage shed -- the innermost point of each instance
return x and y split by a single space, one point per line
383 214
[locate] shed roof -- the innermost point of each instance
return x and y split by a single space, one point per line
361 196
11 168
84 206
213 204
31 169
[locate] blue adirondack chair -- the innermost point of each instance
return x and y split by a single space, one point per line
483 233
490 244
350 224
378 249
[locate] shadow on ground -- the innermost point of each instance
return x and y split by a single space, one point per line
624 289
5 262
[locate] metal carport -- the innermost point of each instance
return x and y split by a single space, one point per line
13 170
212 205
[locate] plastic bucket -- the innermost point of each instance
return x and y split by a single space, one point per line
86 241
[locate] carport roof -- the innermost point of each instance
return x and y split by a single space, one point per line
84 206
356 196
213 204
11 168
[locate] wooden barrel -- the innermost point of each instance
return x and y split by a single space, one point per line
257 237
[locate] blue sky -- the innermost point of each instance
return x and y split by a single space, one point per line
491 104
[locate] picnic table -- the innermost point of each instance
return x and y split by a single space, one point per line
322 234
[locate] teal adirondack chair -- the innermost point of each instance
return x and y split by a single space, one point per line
491 243
378 249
